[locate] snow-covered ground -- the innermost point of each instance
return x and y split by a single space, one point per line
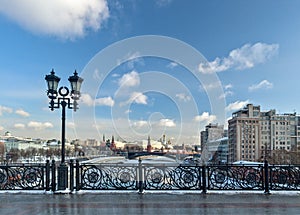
122 160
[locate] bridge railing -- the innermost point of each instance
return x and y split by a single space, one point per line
143 176
171 177
27 176
232 177
285 177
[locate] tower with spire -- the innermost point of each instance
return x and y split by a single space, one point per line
112 144
149 147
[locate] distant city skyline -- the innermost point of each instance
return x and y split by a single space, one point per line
249 54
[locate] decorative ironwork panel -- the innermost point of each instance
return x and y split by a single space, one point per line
284 177
22 177
108 177
235 177
172 177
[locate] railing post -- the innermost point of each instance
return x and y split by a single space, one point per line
266 181
71 175
47 175
140 173
77 176
53 179
204 188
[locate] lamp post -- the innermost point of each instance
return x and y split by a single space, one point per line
65 99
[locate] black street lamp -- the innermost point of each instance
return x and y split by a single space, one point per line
63 98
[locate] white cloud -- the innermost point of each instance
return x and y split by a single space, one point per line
1 128
228 86
167 123
131 59
265 84
4 109
130 79
242 58
210 86
226 122
22 113
39 125
172 65
138 98
97 75
130 56
71 125
19 126
96 126
217 65
205 117
140 123
128 111
183 97
86 99
105 101
163 3
237 105
226 93
66 19
89 101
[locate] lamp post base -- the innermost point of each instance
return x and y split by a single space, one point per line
62 176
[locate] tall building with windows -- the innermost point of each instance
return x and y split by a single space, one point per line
279 132
244 134
212 132
254 135
217 151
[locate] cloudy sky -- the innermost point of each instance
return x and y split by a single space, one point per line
149 67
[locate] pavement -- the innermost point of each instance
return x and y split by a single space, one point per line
120 203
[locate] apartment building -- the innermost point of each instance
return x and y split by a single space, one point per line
212 132
217 151
244 134
279 132
254 135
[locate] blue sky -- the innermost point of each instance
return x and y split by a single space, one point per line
249 48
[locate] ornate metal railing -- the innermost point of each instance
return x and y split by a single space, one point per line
231 177
108 177
284 177
144 176
161 177
25 177
177 177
